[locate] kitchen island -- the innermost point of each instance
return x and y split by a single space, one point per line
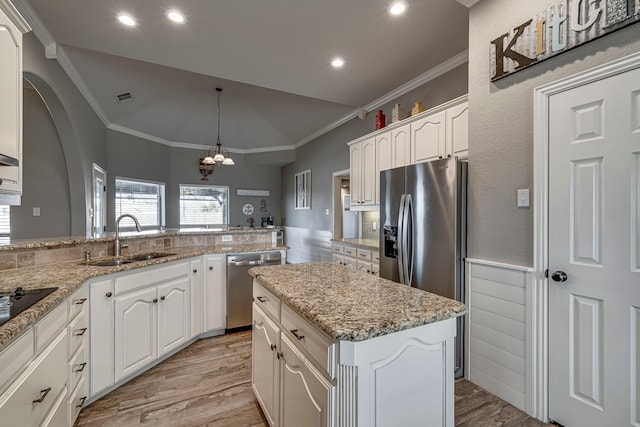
337 347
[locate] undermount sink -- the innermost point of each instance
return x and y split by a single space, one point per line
126 260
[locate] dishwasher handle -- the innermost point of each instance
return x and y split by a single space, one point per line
241 263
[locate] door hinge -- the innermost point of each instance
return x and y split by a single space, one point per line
104 228
104 188
546 273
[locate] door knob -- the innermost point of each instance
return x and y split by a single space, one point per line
559 276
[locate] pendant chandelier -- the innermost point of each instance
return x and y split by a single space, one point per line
215 157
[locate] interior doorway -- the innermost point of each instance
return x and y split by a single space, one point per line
341 190
99 208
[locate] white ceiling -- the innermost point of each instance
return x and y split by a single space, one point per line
270 57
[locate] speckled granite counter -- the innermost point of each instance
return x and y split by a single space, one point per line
351 305
69 276
367 243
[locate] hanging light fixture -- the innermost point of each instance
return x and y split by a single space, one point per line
217 156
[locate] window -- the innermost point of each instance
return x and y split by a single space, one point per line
5 224
203 205
142 199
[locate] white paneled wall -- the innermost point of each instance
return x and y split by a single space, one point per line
498 327
305 245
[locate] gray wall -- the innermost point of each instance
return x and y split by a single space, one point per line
82 134
501 126
133 157
329 153
45 176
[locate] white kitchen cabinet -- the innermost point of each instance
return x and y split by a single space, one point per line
12 26
265 364
135 331
306 396
197 297
174 315
363 173
356 258
428 138
401 146
215 315
102 336
383 158
458 130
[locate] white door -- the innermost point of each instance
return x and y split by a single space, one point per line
174 316
594 211
99 208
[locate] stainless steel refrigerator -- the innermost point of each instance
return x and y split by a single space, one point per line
423 239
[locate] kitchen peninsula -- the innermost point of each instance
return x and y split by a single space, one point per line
338 347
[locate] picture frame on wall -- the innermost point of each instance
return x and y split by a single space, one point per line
302 189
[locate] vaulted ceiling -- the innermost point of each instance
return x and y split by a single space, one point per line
272 59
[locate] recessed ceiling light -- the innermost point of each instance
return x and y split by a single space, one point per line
397 8
127 20
337 62
175 16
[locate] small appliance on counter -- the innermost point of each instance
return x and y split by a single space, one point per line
267 222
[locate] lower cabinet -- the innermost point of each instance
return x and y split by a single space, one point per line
290 389
215 292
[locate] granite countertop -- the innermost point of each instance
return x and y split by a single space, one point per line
368 243
69 276
352 305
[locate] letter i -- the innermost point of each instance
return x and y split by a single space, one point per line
540 27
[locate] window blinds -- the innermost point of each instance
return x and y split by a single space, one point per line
203 205
142 199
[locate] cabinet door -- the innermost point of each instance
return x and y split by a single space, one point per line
369 172
428 138
10 104
458 130
355 173
135 335
215 314
197 297
383 159
174 316
349 263
401 146
265 380
102 335
306 397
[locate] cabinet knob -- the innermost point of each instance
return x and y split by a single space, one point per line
279 355
109 294
448 155
155 300
439 157
195 270
273 347
210 267
162 298
43 394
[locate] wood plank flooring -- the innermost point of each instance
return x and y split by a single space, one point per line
208 384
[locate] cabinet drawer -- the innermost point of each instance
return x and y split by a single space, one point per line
44 381
77 333
266 300
76 368
339 249
58 415
363 254
50 326
76 402
14 358
77 302
349 251
150 276
321 349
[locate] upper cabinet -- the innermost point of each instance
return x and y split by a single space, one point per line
435 134
12 26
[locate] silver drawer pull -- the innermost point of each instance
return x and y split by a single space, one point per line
81 368
295 334
81 301
43 394
261 299
81 332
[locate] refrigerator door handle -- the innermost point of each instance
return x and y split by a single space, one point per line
400 237
408 239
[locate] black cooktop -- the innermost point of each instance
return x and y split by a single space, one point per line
22 299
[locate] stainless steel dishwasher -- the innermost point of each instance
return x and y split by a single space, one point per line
240 285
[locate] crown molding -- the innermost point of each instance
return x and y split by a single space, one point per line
190 146
437 71
16 17
468 3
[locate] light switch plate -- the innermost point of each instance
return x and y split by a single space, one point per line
326 212
227 238
523 198
36 211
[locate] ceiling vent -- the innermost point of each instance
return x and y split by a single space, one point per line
124 97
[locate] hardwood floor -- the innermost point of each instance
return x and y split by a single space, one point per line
208 384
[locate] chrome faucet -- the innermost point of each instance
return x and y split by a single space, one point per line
117 244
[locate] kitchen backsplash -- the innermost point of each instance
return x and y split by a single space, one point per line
370 225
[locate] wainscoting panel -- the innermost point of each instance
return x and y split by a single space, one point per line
498 326
305 245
